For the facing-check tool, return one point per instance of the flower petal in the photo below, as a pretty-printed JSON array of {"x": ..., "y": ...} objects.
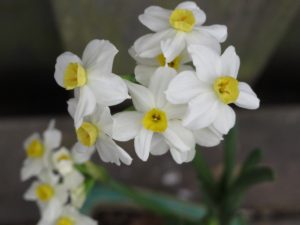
[
  {"x": 62, "y": 62},
  {"x": 143, "y": 61},
  {"x": 230, "y": 62},
  {"x": 148, "y": 46},
  {"x": 198, "y": 13},
  {"x": 108, "y": 89},
  {"x": 225, "y": 119},
  {"x": 206, "y": 62},
  {"x": 184, "y": 87},
  {"x": 142, "y": 143},
  {"x": 72, "y": 104},
  {"x": 98, "y": 57},
  {"x": 159, "y": 84},
  {"x": 202, "y": 111},
  {"x": 172, "y": 47},
  {"x": 175, "y": 111},
  {"x": 52, "y": 137},
  {"x": 158, "y": 145},
  {"x": 247, "y": 98},
  {"x": 81, "y": 154},
  {"x": 155, "y": 18},
  {"x": 31, "y": 168},
  {"x": 142, "y": 98},
  {"x": 126, "y": 125},
  {"x": 86, "y": 105},
  {"x": 181, "y": 157},
  {"x": 109, "y": 151},
  {"x": 217, "y": 31},
  {"x": 179, "y": 137},
  {"x": 30, "y": 195},
  {"x": 208, "y": 137},
  {"x": 143, "y": 74}
]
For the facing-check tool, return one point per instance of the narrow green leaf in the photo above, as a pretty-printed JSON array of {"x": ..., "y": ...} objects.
[
  {"x": 252, "y": 160},
  {"x": 129, "y": 77}
]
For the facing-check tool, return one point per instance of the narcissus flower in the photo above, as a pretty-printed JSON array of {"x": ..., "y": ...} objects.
[
  {"x": 63, "y": 163},
  {"x": 156, "y": 125},
  {"x": 91, "y": 78},
  {"x": 68, "y": 216},
  {"x": 147, "y": 66},
  {"x": 176, "y": 29},
  {"x": 38, "y": 151},
  {"x": 96, "y": 132},
  {"x": 210, "y": 91},
  {"x": 48, "y": 194}
]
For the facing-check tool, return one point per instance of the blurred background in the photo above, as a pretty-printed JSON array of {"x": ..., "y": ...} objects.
[{"x": 266, "y": 36}]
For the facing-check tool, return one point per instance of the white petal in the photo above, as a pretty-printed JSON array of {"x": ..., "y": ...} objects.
[
  {"x": 86, "y": 105},
  {"x": 98, "y": 57},
  {"x": 158, "y": 145},
  {"x": 206, "y": 62},
  {"x": 208, "y": 137},
  {"x": 173, "y": 46},
  {"x": 126, "y": 125},
  {"x": 198, "y": 13},
  {"x": 155, "y": 18},
  {"x": 201, "y": 112},
  {"x": 30, "y": 195},
  {"x": 73, "y": 180},
  {"x": 247, "y": 98},
  {"x": 108, "y": 89},
  {"x": 184, "y": 87},
  {"x": 199, "y": 37},
  {"x": 142, "y": 143},
  {"x": 142, "y": 98},
  {"x": 179, "y": 137},
  {"x": 143, "y": 74},
  {"x": 81, "y": 154},
  {"x": 31, "y": 168},
  {"x": 102, "y": 118},
  {"x": 148, "y": 46},
  {"x": 230, "y": 62},
  {"x": 109, "y": 151},
  {"x": 159, "y": 84},
  {"x": 52, "y": 138},
  {"x": 143, "y": 61},
  {"x": 225, "y": 119},
  {"x": 52, "y": 210},
  {"x": 181, "y": 157},
  {"x": 217, "y": 31},
  {"x": 175, "y": 111},
  {"x": 72, "y": 104},
  {"x": 62, "y": 62}
]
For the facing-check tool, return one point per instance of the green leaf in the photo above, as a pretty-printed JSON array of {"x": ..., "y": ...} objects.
[
  {"x": 252, "y": 160},
  {"x": 119, "y": 194},
  {"x": 206, "y": 179},
  {"x": 129, "y": 77}
]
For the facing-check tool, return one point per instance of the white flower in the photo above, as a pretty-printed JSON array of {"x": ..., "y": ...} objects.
[
  {"x": 48, "y": 194},
  {"x": 177, "y": 29},
  {"x": 211, "y": 89},
  {"x": 96, "y": 132},
  {"x": 147, "y": 66},
  {"x": 63, "y": 163},
  {"x": 156, "y": 125},
  {"x": 38, "y": 151},
  {"x": 91, "y": 78},
  {"x": 208, "y": 136},
  {"x": 68, "y": 216}
]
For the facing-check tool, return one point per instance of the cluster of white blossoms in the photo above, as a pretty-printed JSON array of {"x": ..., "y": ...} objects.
[
  {"x": 58, "y": 187},
  {"x": 182, "y": 98}
]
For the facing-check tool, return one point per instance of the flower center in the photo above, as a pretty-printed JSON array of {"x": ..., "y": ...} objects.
[
  {"x": 182, "y": 20},
  {"x": 227, "y": 89},
  {"x": 155, "y": 120},
  {"x": 75, "y": 76},
  {"x": 65, "y": 221},
  {"x": 87, "y": 134},
  {"x": 35, "y": 149},
  {"x": 175, "y": 64},
  {"x": 44, "y": 192}
]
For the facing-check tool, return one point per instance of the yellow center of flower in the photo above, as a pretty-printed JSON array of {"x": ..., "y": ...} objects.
[
  {"x": 63, "y": 157},
  {"x": 227, "y": 89},
  {"x": 182, "y": 20},
  {"x": 155, "y": 120},
  {"x": 175, "y": 64},
  {"x": 87, "y": 134},
  {"x": 65, "y": 221},
  {"x": 44, "y": 192},
  {"x": 75, "y": 76},
  {"x": 35, "y": 149}
]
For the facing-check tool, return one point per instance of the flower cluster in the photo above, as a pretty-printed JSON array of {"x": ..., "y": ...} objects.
[
  {"x": 182, "y": 96},
  {"x": 59, "y": 188}
]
